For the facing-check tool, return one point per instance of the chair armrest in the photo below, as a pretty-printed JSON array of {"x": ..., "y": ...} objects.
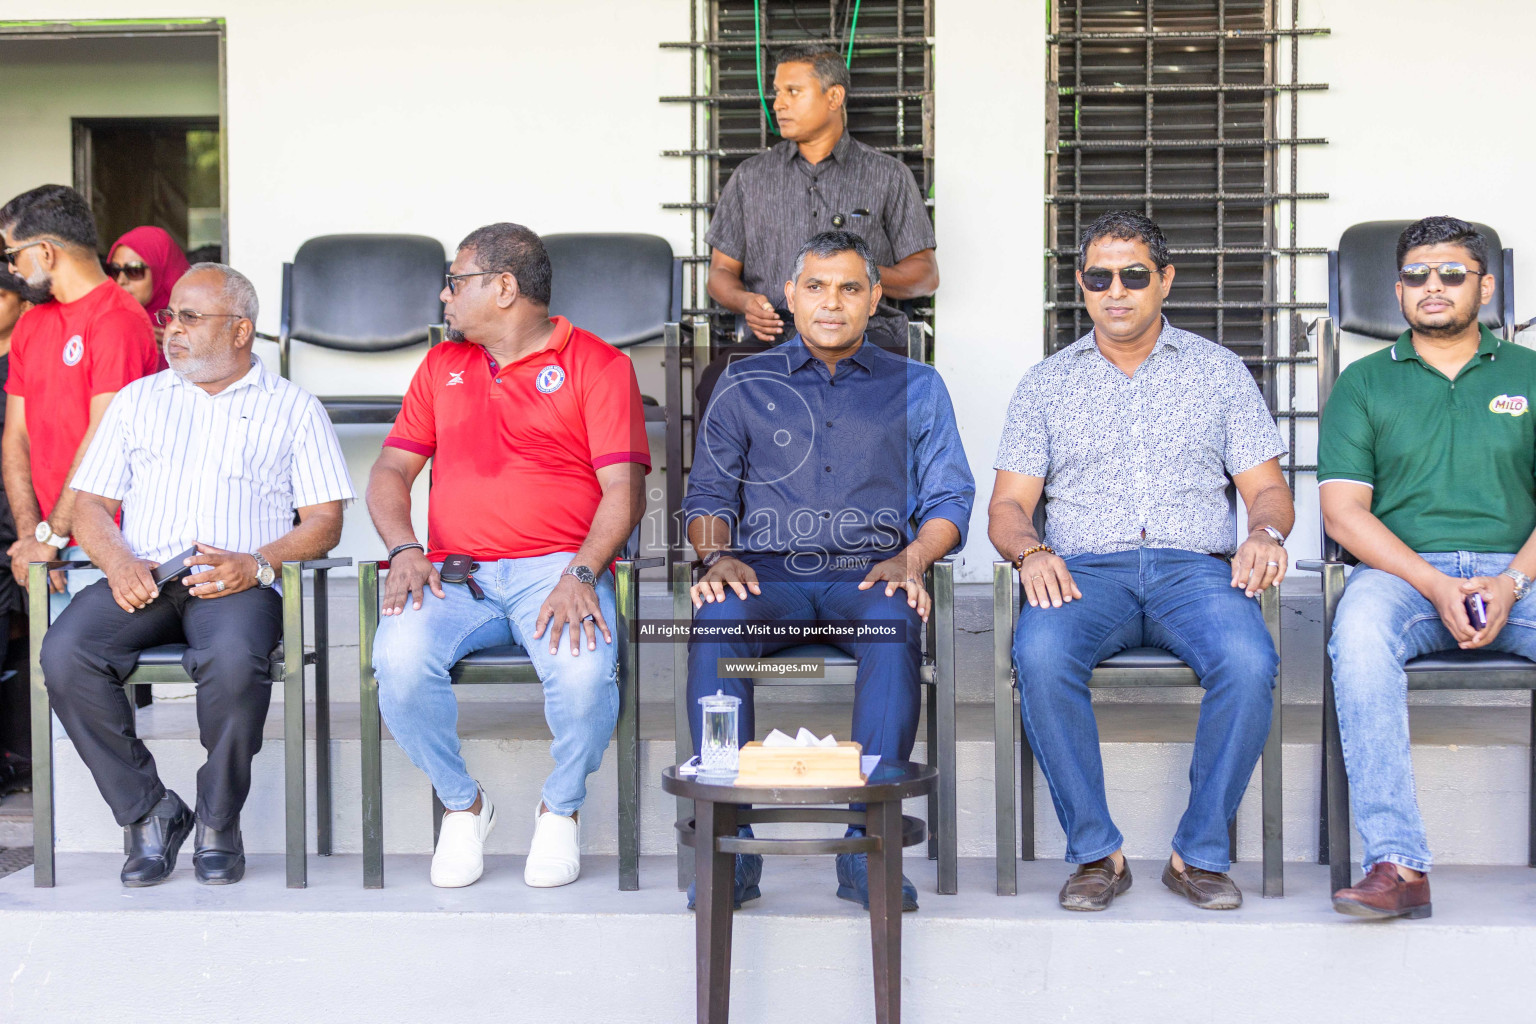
[
  {"x": 1317, "y": 565},
  {"x": 645, "y": 563},
  {"x": 324, "y": 563},
  {"x": 65, "y": 566}
]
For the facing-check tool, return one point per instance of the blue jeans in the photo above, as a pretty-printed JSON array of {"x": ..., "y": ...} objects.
[
  {"x": 1181, "y": 601},
  {"x": 415, "y": 650},
  {"x": 1382, "y": 622},
  {"x": 886, "y": 692}
]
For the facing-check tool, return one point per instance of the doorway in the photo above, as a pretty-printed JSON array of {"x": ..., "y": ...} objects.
[{"x": 163, "y": 172}]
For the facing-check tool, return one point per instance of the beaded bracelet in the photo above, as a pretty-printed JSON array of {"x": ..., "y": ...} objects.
[{"x": 1019, "y": 562}]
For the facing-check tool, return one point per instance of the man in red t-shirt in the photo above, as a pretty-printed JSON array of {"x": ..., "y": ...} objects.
[
  {"x": 84, "y": 340},
  {"x": 537, "y": 438}
]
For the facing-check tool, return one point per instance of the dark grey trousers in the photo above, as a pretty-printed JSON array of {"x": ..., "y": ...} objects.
[{"x": 93, "y": 647}]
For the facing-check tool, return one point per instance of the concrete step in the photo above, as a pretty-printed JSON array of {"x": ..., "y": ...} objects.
[
  {"x": 1471, "y": 767},
  {"x": 16, "y": 820},
  {"x": 257, "y": 952}
]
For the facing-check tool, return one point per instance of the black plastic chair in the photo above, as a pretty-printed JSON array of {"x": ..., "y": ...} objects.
[
  {"x": 361, "y": 293},
  {"x": 1363, "y": 302},
  {"x": 936, "y": 676},
  {"x": 163, "y": 665},
  {"x": 628, "y": 290},
  {"x": 506, "y": 664},
  {"x": 1136, "y": 667}
]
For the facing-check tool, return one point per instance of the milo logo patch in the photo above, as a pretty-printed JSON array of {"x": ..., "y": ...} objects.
[{"x": 1514, "y": 405}]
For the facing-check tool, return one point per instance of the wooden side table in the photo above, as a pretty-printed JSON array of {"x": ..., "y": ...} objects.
[{"x": 712, "y": 834}]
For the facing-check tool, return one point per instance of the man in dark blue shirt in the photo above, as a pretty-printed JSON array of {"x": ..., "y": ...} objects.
[{"x": 828, "y": 477}]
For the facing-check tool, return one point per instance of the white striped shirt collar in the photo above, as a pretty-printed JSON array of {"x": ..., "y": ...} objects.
[{"x": 258, "y": 375}]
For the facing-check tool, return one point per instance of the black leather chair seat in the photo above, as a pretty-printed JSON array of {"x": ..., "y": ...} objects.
[
  {"x": 831, "y": 655},
  {"x": 170, "y": 654},
  {"x": 361, "y": 408},
  {"x": 505, "y": 656},
  {"x": 165, "y": 654},
  {"x": 1142, "y": 658},
  {"x": 1481, "y": 661}
]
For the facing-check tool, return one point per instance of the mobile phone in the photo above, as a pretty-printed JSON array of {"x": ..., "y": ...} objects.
[
  {"x": 1477, "y": 611},
  {"x": 173, "y": 568}
]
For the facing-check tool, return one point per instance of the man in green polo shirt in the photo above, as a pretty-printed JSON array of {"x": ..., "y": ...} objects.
[{"x": 1427, "y": 461}]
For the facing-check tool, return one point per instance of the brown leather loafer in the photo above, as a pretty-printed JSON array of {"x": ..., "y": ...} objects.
[
  {"x": 1208, "y": 890},
  {"x": 1094, "y": 886},
  {"x": 1383, "y": 893}
]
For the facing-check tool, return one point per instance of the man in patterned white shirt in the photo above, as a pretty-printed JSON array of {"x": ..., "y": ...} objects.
[
  {"x": 1131, "y": 435},
  {"x": 215, "y": 452}
]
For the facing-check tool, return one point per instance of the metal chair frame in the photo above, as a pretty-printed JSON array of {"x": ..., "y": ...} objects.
[
  {"x": 505, "y": 664},
  {"x": 936, "y": 676},
  {"x": 1442, "y": 670},
  {"x": 1137, "y": 667},
  {"x": 163, "y": 665}
]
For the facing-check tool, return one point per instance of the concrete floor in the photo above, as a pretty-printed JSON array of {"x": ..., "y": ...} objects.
[{"x": 258, "y": 952}]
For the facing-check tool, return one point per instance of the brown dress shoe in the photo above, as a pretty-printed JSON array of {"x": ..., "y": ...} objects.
[
  {"x": 1094, "y": 886},
  {"x": 1208, "y": 890},
  {"x": 1384, "y": 893}
]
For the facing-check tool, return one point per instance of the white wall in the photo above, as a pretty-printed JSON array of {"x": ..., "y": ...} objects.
[
  {"x": 368, "y": 116},
  {"x": 989, "y": 137}
]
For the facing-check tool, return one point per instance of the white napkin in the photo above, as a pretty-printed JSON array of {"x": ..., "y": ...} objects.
[{"x": 805, "y": 738}]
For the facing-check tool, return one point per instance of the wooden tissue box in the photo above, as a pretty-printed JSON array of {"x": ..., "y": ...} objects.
[{"x": 800, "y": 766}]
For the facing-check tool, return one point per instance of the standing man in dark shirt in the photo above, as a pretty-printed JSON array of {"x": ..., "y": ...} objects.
[
  {"x": 818, "y": 179},
  {"x": 84, "y": 340}
]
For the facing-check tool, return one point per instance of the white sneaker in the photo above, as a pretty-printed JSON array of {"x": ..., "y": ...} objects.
[
  {"x": 554, "y": 856},
  {"x": 460, "y": 856}
]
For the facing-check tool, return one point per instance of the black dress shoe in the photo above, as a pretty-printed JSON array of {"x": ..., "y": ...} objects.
[
  {"x": 153, "y": 841},
  {"x": 218, "y": 856}
]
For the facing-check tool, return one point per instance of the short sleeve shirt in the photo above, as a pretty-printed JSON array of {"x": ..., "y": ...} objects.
[
  {"x": 1140, "y": 461},
  {"x": 515, "y": 450},
  {"x": 62, "y": 355},
  {"x": 1451, "y": 463},
  {"x": 776, "y": 200}
]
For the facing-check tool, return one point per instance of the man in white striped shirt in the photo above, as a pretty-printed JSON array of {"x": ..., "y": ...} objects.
[{"x": 216, "y": 452}]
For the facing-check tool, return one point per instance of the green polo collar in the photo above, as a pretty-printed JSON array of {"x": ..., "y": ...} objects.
[{"x": 1487, "y": 345}]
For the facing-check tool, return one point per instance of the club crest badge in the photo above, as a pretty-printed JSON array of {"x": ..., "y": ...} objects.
[
  {"x": 1514, "y": 405},
  {"x": 550, "y": 379},
  {"x": 74, "y": 350}
]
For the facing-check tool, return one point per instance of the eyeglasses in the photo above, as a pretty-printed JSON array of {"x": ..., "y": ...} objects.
[
  {"x": 9, "y": 255},
  {"x": 1097, "y": 279},
  {"x": 1416, "y": 275},
  {"x": 132, "y": 271},
  {"x": 190, "y": 317},
  {"x": 454, "y": 279}
]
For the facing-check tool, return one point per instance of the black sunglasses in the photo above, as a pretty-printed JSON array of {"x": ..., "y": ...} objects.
[
  {"x": 1097, "y": 279},
  {"x": 454, "y": 279},
  {"x": 132, "y": 271},
  {"x": 1416, "y": 275}
]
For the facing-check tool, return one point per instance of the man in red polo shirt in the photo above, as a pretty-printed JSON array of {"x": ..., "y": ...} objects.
[
  {"x": 69, "y": 356},
  {"x": 537, "y": 438}
]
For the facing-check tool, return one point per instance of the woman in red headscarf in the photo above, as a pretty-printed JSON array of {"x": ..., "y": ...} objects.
[{"x": 147, "y": 262}]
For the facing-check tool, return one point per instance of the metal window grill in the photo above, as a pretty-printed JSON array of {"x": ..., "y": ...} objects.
[
  {"x": 1173, "y": 107},
  {"x": 890, "y": 106}
]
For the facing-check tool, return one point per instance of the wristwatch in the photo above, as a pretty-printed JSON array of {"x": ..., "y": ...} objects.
[
  {"x": 582, "y": 574},
  {"x": 45, "y": 535},
  {"x": 1522, "y": 582},
  {"x": 709, "y": 560},
  {"x": 265, "y": 574},
  {"x": 1279, "y": 537}
]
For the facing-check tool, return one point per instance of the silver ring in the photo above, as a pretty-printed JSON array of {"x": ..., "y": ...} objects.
[
  {"x": 1272, "y": 563},
  {"x": 218, "y": 584},
  {"x": 589, "y": 618},
  {"x": 1038, "y": 576}
]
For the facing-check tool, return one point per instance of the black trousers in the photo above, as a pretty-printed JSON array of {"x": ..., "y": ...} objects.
[{"x": 94, "y": 646}]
